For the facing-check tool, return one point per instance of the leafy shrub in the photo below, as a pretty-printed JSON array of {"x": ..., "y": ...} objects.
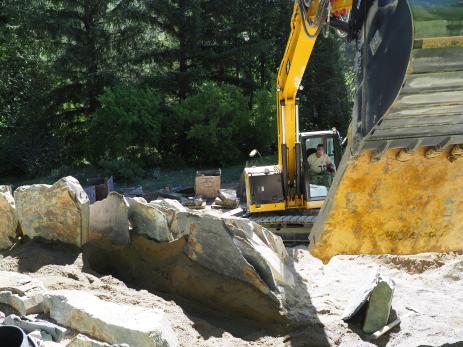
[
  {"x": 122, "y": 169},
  {"x": 127, "y": 126},
  {"x": 215, "y": 122}
]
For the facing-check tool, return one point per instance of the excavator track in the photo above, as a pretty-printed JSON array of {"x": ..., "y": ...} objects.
[
  {"x": 293, "y": 229},
  {"x": 399, "y": 188}
]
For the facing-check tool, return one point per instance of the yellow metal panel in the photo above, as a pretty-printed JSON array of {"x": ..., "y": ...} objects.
[
  {"x": 389, "y": 206},
  {"x": 313, "y": 205},
  {"x": 267, "y": 207}
]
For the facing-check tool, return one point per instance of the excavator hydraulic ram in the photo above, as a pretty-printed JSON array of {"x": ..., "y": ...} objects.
[{"x": 399, "y": 188}]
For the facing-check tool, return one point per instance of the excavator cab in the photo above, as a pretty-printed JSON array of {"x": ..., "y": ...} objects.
[{"x": 332, "y": 142}]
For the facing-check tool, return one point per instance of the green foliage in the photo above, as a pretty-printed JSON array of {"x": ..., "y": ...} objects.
[
  {"x": 326, "y": 101},
  {"x": 215, "y": 122},
  {"x": 127, "y": 126},
  {"x": 122, "y": 169},
  {"x": 263, "y": 121},
  {"x": 77, "y": 83}
]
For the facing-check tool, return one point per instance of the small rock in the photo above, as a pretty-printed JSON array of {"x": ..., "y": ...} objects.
[
  {"x": 109, "y": 219},
  {"x": 109, "y": 322},
  {"x": 379, "y": 306},
  {"x": 59, "y": 212},
  {"x": 21, "y": 292},
  {"x": 40, "y": 336},
  {"x": 169, "y": 204},
  {"x": 84, "y": 341}
]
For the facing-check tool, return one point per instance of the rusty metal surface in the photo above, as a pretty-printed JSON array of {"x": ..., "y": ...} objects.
[{"x": 393, "y": 207}]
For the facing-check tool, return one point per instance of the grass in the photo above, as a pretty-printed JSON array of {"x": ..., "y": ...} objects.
[{"x": 164, "y": 177}]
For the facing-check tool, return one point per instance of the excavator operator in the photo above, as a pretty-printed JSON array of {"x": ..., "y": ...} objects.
[{"x": 321, "y": 167}]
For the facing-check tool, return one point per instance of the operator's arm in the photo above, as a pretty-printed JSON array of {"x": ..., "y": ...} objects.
[{"x": 329, "y": 164}]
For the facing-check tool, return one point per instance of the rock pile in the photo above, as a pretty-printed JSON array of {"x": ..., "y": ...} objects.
[
  {"x": 225, "y": 263},
  {"x": 229, "y": 264}
]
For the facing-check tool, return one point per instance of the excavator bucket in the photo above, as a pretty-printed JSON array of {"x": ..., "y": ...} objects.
[{"x": 399, "y": 187}]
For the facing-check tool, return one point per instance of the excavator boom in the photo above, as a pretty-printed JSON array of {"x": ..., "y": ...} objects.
[{"x": 399, "y": 188}]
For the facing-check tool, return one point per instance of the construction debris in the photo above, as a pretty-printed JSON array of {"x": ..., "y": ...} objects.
[
  {"x": 207, "y": 183},
  {"x": 226, "y": 199},
  {"x": 100, "y": 189},
  {"x": 195, "y": 203},
  {"x": 47, "y": 331}
]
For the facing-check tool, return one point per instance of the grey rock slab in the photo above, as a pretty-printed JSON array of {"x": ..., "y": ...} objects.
[
  {"x": 21, "y": 292},
  {"x": 361, "y": 296},
  {"x": 263, "y": 250},
  {"x": 115, "y": 324},
  {"x": 379, "y": 306},
  {"x": 149, "y": 220},
  {"x": 57, "y": 212},
  {"x": 8, "y": 219},
  {"x": 233, "y": 248},
  {"x": 109, "y": 219}
]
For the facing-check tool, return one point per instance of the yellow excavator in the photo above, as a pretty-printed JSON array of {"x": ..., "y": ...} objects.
[{"x": 399, "y": 185}]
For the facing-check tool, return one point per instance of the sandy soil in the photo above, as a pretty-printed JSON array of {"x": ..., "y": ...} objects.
[{"x": 429, "y": 294}]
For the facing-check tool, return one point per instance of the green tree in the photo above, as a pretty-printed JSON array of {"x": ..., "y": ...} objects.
[
  {"x": 215, "y": 123},
  {"x": 127, "y": 126},
  {"x": 89, "y": 46},
  {"x": 325, "y": 100},
  {"x": 29, "y": 141}
]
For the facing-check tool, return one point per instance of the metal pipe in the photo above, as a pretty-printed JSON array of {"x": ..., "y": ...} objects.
[
  {"x": 284, "y": 173},
  {"x": 297, "y": 121},
  {"x": 298, "y": 168},
  {"x": 283, "y": 130}
]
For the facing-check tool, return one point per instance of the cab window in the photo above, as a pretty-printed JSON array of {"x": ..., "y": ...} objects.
[{"x": 330, "y": 148}]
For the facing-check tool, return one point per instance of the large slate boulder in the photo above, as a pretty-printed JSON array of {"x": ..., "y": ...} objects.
[
  {"x": 109, "y": 219},
  {"x": 117, "y": 324},
  {"x": 228, "y": 264},
  {"x": 236, "y": 248},
  {"x": 58, "y": 212},
  {"x": 8, "y": 220}
]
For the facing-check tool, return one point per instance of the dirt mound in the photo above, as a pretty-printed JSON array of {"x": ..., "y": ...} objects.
[{"x": 416, "y": 264}]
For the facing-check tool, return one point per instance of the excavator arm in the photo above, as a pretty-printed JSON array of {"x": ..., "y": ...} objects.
[{"x": 281, "y": 188}]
